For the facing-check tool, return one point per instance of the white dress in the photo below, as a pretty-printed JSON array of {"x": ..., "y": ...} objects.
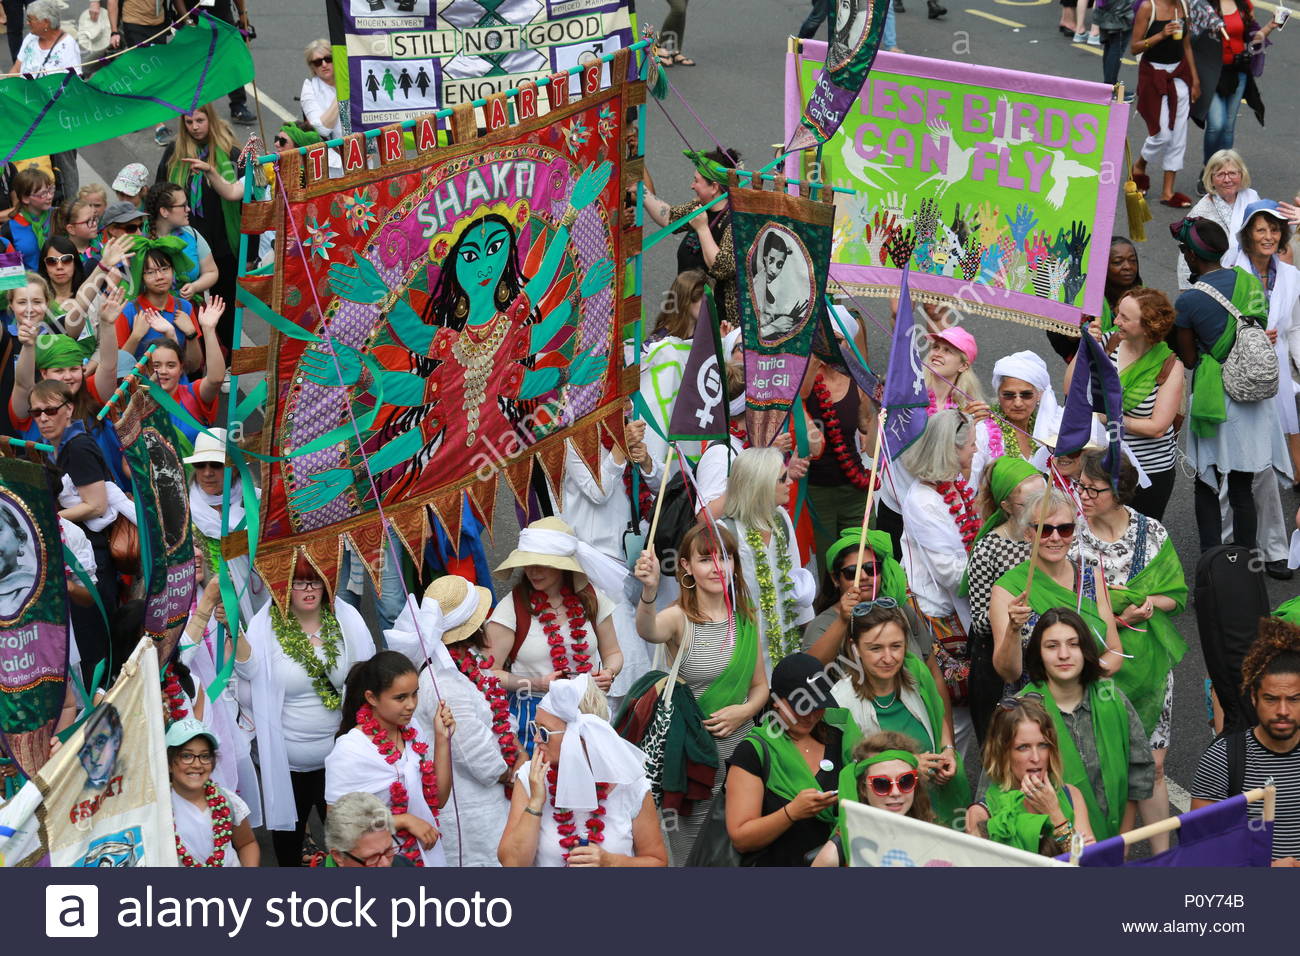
[
  {"x": 194, "y": 826},
  {"x": 356, "y": 765},
  {"x": 621, "y": 808},
  {"x": 933, "y": 554}
]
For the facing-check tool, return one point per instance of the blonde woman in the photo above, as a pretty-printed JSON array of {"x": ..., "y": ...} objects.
[
  {"x": 758, "y": 492},
  {"x": 663, "y": 358},
  {"x": 319, "y": 99}
]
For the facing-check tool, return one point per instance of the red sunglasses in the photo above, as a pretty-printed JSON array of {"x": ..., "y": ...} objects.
[{"x": 882, "y": 785}]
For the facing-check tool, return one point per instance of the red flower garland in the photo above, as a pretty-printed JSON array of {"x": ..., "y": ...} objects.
[
  {"x": 564, "y": 818},
  {"x": 550, "y": 621},
  {"x": 177, "y": 707},
  {"x": 399, "y": 799},
  {"x": 489, "y": 685},
  {"x": 850, "y": 463},
  {"x": 645, "y": 498},
  {"x": 963, "y": 513},
  {"x": 222, "y": 829}
]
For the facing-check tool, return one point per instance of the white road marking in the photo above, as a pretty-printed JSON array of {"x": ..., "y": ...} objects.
[
  {"x": 1179, "y": 798},
  {"x": 271, "y": 105}
]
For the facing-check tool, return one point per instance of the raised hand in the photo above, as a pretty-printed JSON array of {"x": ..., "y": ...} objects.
[
  {"x": 990, "y": 225},
  {"x": 321, "y": 489},
  {"x": 960, "y": 222},
  {"x": 210, "y": 313},
  {"x": 110, "y": 307},
  {"x": 1061, "y": 247},
  {"x": 899, "y": 247},
  {"x": 1036, "y": 249},
  {"x": 1077, "y": 243},
  {"x": 117, "y": 251},
  {"x": 970, "y": 261},
  {"x": 361, "y": 283},
  {"x": 1056, "y": 275},
  {"x": 896, "y": 203},
  {"x": 160, "y": 325},
  {"x": 590, "y": 185},
  {"x": 318, "y": 366},
  {"x": 927, "y": 220},
  {"x": 881, "y": 235},
  {"x": 598, "y": 277},
  {"x": 1073, "y": 283},
  {"x": 1022, "y": 224},
  {"x": 587, "y": 368},
  {"x": 990, "y": 263}
]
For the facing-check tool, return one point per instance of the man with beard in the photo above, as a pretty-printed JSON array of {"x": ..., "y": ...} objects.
[{"x": 1271, "y": 674}]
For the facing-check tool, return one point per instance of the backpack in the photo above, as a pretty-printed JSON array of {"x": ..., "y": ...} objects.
[
  {"x": 676, "y": 516},
  {"x": 1250, "y": 372}
]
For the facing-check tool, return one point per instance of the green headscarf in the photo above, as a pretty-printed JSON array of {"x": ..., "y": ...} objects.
[
  {"x": 1289, "y": 611},
  {"x": 62, "y": 351},
  {"x": 299, "y": 136},
  {"x": 893, "y": 579},
  {"x": 1005, "y": 476},
  {"x": 709, "y": 169},
  {"x": 173, "y": 246}
]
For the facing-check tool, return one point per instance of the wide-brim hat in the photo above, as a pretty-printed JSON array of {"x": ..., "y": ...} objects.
[
  {"x": 449, "y": 591},
  {"x": 209, "y": 447},
  {"x": 565, "y": 562}
]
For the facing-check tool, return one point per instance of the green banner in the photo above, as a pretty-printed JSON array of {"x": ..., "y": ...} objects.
[{"x": 54, "y": 112}]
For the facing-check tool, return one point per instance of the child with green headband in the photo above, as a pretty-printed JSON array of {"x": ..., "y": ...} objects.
[{"x": 884, "y": 774}]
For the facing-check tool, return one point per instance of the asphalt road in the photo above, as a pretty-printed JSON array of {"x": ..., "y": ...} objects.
[{"x": 737, "y": 90}]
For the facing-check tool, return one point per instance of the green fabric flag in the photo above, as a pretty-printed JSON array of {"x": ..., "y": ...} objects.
[
  {"x": 60, "y": 111},
  {"x": 732, "y": 685},
  {"x": 954, "y": 796},
  {"x": 1209, "y": 408},
  {"x": 1047, "y": 594},
  {"x": 1139, "y": 378},
  {"x": 1110, "y": 728},
  {"x": 1012, "y": 825},
  {"x": 1155, "y": 651},
  {"x": 788, "y": 774}
]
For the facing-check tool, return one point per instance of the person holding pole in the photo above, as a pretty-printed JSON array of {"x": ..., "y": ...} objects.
[{"x": 1050, "y": 578}]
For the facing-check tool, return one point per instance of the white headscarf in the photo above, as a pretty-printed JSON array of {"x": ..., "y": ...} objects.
[
  {"x": 591, "y": 750},
  {"x": 603, "y": 571},
  {"x": 1030, "y": 367},
  {"x": 736, "y": 407},
  {"x": 418, "y": 630}
]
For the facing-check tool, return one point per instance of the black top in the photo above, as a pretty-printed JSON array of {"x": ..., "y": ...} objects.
[
  {"x": 81, "y": 460},
  {"x": 804, "y": 838},
  {"x": 689, "y": 253},
  {"x": 1167, "y": 50},
  {"x": 8, "y": 346},
  {"x": 210, "y": 221},
  {"x": 826, "y": 470}
]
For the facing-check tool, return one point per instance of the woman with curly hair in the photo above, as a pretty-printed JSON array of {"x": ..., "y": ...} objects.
[{"x": 1270, "y": 676}]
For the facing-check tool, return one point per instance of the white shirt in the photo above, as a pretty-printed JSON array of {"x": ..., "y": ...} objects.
[
  {"x": 599, "y": 513},
  {"x": 63, "y": 55},
  {"x": 933, "y": 554},
  {"x": 316, "y": 97},
  {"x": 711, "y": 472},
  {"x": 356, "y": 765},
  {"x": 194, "y": 826},
  {"x": 534, "y": 657},
  {"x": 621, "y": 808},
  {"x": 306, "y": 725}
]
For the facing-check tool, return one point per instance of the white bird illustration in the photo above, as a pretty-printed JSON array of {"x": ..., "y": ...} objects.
[
  {"x": 1063, "y": 170},
  {"x": 958, "y": 159},
  {"x": 863, "y": 169},
  {"x": 1002, "y": 140}
]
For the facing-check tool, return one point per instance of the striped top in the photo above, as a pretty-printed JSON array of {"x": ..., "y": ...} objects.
[
  {"x": 1211, "y": 783},
  {"x": 1154, "y": 454}
]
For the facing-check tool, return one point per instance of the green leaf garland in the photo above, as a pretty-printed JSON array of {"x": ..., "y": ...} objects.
[
  {"x": 780, "y": 642},
  {"x": 297, "y": 647}
]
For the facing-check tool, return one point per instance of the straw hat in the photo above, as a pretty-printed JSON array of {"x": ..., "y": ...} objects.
[
  {"x": 209, "y": 447},
  {"x": 522, "y": 559},
  {"x": 449, "y": 591}
]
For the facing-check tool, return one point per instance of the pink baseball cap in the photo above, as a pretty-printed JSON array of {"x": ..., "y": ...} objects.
[{"x": 959, "y": 339}]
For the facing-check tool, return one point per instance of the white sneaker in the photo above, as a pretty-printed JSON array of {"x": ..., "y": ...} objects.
[{"x": 1080, "y": 38}]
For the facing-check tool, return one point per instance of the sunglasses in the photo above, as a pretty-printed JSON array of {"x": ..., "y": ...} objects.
[
  {"x": 58, "y": 260},
  {"x": 1011, "y": 703},
  {"x": 1087, "y": 491},
  {"x": 1063, "y": 530},
  {"x": 320, "y": 61},
  {"x": 282, "y": 141},
  {"x": 869, "y": 568},
  {"x": 214, "y": 465},
  {"x": 1027, "y": 396},
  {"x": 882, "y": 785},
  {"x": 130, "y": 228},
  {"x": 47, "y": 412},
  {"x": 539, "y": 733},
  {"x": 865, "y": 607}
]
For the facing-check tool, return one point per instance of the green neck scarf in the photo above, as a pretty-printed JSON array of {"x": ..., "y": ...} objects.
[
  {"x": 173, "y": 246},
  {"x": 1139, "y": 377},
  {"x": 1209, "y": 408},
  {"x": 1012, "y": 825},
  {"x": 1110, "y": 729},
  {"x": 732, "y": 685},
  {"x": 1107, "y": 317},
  {"x": 181, "y": 174},
  {"x": 1047, "y": 594},
  {"x": 1159, "y": 646},
  {"x": 949, "y": 801},
  {"x": 893, "y": 579},
  {"x": 788, "y": 774}
]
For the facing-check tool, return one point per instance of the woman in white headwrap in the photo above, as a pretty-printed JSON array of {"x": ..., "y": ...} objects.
[
  {"x": 542, "y": 630},
  {"x": 1027, "y": 406},
  {"x": 446, "y": 634},
  {"x": 583, "y": 800}
]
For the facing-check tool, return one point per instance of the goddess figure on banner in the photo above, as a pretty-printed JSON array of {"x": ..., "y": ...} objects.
[{"x": 465, "y": 364}]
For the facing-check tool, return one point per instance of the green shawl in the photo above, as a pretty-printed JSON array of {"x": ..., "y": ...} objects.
[
  {"x": 732, "y": 685},
  {"x": 951, "y": 800},
  {"x": 1110, "y": 728},
  {"x": 788, "y": 774},
  {"x": 1047, "y": 594},
  {"x": 181, "y": 173},
  {"x": 1209, "y": 407},
  {"x": 1138, "y": 378},
  {"x": 893, "y": 579},
  {"x": 1156, "y": 650},
  {"x": 1012, "y": 825}
]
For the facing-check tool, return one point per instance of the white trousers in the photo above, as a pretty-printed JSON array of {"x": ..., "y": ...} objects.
[{"x": 1166, "y": 148}]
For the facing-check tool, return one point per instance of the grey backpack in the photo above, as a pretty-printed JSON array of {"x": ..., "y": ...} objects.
[{"x": 1250, "y": 372}]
